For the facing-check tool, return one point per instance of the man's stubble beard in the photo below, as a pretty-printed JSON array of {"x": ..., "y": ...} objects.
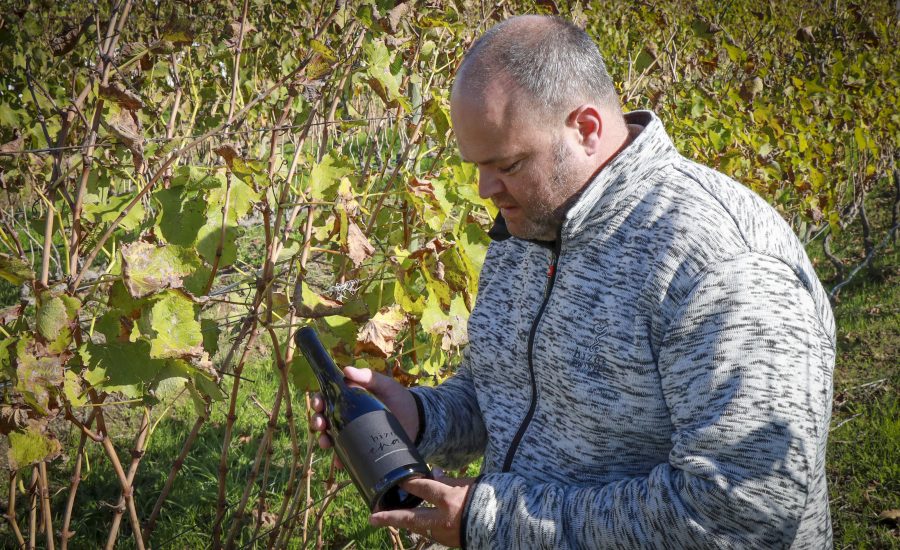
[{"x": 544, "y": 220}]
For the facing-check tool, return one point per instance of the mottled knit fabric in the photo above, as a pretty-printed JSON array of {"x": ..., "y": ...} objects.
[{"x": 668, "y": 387}]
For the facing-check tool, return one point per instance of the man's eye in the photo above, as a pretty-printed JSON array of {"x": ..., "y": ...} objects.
[{"x": 511, "y": 168}]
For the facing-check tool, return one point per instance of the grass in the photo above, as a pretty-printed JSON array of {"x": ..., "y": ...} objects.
[
  {"x": 864, "y": 443},
  {"x": 187, "y": 517}
]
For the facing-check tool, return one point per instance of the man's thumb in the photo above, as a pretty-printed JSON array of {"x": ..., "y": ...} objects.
[{"x": 362, "y": 377}]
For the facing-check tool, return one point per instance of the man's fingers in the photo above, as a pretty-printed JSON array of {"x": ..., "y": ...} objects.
[
  {"x": 416, "y": 519},
  {"x": 318, "y": 404},
  {"x": 428, "y": 489},
  {"x": 367, "y": 378},
  {"x": 457, "y": 481},
  {"x": 318, "y": 423}
]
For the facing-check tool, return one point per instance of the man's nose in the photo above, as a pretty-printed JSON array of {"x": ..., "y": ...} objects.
[{"x": 489, "y": 184}]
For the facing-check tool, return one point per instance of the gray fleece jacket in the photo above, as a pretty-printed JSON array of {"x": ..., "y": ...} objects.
[{"x": 660, "y": 378}]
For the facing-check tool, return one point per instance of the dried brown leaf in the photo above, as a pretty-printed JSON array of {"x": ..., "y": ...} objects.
[
  {"x": 434, "y": 246},
  {"x": 391, "y": 22},
  {"x": 233, "y": 32},
  {"x": 890, "y": 516},
  {"x": 125, "y": 98},
  {"x": 358, "y": 246},
  {"x": 12, "y": 417},
  {"x": 227, "y": 152},
  {"x": 805, "y": 34},
  {"x": 453, "y": 331},
  {"x": 66, "y": 41},
  {"x": 126, "y": 126},
  {"x": 10, "y": 314},
  {"x": 379, "y": 334},
  {"x": 422, "y": 188},
  {"x": 13, "y": 146}
]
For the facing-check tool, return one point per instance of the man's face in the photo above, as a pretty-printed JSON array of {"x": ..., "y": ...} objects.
[{"x": 525, "y": 164}]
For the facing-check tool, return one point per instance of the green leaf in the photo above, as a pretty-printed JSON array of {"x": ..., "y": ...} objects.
[
  {"x": 148, "y": 268},
  {"x": 736, "y": 54},
  {"x": 210, "y": 330},
  {"x": 182, "y": 214},
  {"x": 378, "y": 58},
  {"x": 457, "y": 271},
  {"x": 325, "y": 176},
  {"x": 404, "y": 298},
  {"x": 816, "y": 179},
  {"x": 15, "y": 270},
  {"x": 31, "y": 446},
  {"x": 51, "y": 317},
  {"x": 171, "y": 326},
  {"x": 208, "y": 387},
  {"x": 210, "y": 236},
  {"x": 72, "y": 389},
  {"x": 320, "y": 47},
  {"x": 860, "y": 138},
  {"x": 240, "y": 200},
  {"x": 313, "y": 305},
  {"x": 121, "y": 300},
  {"x": 107, "y": 211},
  {"x": 122, "y": 366},
  {"x": 38, "y": 375},
  {"x": 195, "y": 179},
  {"x": 302, "y": 374},
  {"x": 432, "y": 313},
  {"x": 439, "y": 116}
]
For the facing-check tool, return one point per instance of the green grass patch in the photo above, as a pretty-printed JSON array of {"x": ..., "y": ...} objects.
[
  {"x": 189, "y": 513},
  {"x": 864, "y": 443}
]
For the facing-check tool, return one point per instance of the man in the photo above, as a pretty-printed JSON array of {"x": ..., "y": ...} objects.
[{"x": 650, "y": 354}]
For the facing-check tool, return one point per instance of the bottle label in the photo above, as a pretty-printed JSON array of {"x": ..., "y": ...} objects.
[{"x": 374, "y": 445}]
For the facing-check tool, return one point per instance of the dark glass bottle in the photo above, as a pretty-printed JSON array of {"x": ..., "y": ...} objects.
[{"x": 368, "y": 438}]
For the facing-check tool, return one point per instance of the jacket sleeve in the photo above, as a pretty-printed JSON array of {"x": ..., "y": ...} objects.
[
  {"x": 745, "y": 366},
  {"x": 451, "y": 428}
]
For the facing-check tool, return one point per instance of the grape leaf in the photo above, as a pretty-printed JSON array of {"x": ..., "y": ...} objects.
[
  {"x": 31, "y": 446},
  {"x": 358, "y": 246},
  {"x": 183, "y": 213},
  {"x": 379, "y": 334},
  {"x": 313, "y": 305},
  {"x": 108, "y": 210},
  {"x": 172, "y": 327},
  {"x": 209, "y": 237},
  {"x": 240, "y": 200},
  {"x": 51, "y": 317},
  {"x": 148, "y": 268},
  {"x": 122, "y": 366},
  {"x": 37, "y": 374},
  {"x": 15, "y": 270},
  {"x": 325, "y": 176},
  {"x": 302, "y": 374}
]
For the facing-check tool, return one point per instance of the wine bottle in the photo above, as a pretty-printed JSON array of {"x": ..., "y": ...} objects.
[{"x": 368, "y": 438}]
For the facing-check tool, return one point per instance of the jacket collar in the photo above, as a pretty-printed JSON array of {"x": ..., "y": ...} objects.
[{"x": 650, "y": 149}]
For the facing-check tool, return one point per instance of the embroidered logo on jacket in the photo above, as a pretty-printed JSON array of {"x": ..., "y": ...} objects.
[{"x": 590, "y": 359}]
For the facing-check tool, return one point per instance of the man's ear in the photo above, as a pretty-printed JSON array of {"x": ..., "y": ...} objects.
[{"x": 588, "y": 122}]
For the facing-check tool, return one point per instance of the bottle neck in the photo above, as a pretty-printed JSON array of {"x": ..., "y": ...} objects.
[{"x": 330, "y": 377}]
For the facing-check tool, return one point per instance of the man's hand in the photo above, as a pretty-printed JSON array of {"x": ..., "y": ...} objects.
[
  {"x": 440, "y": 523},
  {"x": 393, "y": 394}
]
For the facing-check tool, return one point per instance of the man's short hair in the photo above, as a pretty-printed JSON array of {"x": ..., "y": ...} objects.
[{"x": 553, "y": 61}]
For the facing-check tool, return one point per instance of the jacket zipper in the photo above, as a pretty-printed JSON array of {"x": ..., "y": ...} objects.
[{"x": 551, "y": 278}]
